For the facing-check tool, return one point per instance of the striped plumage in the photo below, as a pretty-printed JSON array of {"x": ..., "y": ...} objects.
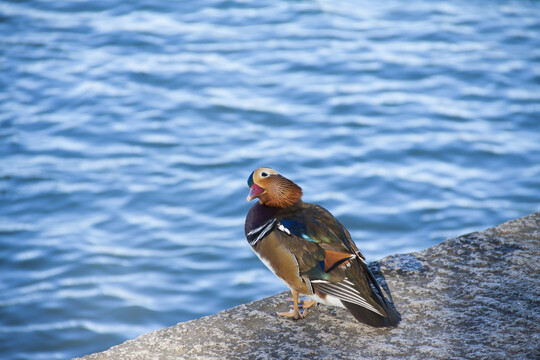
[{"x": 311, "y": 251}]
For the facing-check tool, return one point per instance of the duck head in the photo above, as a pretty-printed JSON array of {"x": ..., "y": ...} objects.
[{"x": 272, "y": 189}]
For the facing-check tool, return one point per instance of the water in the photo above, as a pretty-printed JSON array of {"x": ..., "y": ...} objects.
[{"x": 128, "y": 131}]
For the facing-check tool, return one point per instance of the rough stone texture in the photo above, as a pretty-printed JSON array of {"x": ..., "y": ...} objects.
[{"x": 475, "y": 297}]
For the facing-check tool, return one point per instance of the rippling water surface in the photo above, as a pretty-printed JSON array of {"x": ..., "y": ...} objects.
[{"x": 128, "y": 131}]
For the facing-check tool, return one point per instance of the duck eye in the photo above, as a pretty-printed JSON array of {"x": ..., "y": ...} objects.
[{"x": 263, "y": 174}]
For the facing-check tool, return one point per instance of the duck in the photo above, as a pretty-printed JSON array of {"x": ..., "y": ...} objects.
[{"x": 305, "y": 246}]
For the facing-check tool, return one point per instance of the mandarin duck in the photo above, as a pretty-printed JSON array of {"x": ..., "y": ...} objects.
[{"x": 311, "y": 251}]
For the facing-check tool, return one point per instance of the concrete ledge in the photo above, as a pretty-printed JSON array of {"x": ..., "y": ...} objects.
[{"x": 476, "y": 296}]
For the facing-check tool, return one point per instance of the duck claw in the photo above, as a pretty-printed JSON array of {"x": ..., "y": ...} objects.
[{"x": 299, "y": 307}]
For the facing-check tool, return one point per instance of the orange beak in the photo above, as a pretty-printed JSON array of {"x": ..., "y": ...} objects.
[{"x": 254, "y": 191}]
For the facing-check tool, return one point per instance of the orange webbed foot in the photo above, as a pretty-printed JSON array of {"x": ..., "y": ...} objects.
[{"x": 299, "y": 310}]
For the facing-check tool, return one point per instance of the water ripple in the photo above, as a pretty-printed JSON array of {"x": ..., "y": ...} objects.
[{"x": 127, "y": 132}]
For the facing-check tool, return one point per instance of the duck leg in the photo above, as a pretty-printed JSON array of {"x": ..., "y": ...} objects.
[{"x": 295, "y": 313}]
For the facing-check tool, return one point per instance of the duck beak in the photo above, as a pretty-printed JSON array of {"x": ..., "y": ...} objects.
[{"x": 254, "y": 191}]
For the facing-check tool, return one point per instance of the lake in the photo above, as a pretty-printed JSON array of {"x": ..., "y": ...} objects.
[{"x": 128, "y": 131}]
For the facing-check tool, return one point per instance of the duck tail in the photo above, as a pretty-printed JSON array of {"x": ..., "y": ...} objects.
[
  {"x": 368, "y": 317},
  {"x": 388, "y": 317}
]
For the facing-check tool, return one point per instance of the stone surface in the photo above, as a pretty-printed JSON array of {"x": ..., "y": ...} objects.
[{"x": 475, "y": 296}]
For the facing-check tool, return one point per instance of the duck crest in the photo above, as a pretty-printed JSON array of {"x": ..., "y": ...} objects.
[{"x": 282, "y": 193}]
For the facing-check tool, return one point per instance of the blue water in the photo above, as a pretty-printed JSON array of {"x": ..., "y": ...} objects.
[{"x": 128, "y": 131}]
